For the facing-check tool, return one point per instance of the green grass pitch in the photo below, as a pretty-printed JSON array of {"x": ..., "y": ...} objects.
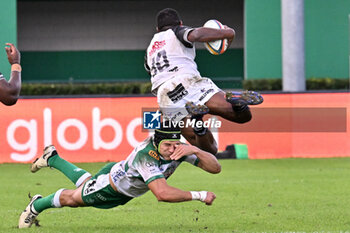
[{"x": 286, "y": 195}]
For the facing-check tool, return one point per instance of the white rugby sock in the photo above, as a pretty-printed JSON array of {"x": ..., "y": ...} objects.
[
  {"x": 82, "y": 178},
  {"x": 56, "y": 199}
]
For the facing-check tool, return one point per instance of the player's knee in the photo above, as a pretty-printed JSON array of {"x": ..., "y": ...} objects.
[
  {"x": 242, "y": 117},
  {"x": 67, "y": 198},
  {"x": 214, "y": 149}
]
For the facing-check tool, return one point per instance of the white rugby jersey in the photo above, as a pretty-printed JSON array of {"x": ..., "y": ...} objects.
[
  {"x": 169, "y": 54},
  {"x": 132, "y": 175}
]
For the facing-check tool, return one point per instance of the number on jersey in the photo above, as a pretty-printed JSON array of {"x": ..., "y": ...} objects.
[{"x": 159, "y": 63}]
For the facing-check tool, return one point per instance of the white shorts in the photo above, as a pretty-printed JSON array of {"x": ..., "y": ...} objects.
[{"x": 173, "y": 95}]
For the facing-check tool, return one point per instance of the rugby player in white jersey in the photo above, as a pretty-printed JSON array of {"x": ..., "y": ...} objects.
[
  {"x": 9, "y": 90},
  {"x": 146, "y": 168},
  {"x": 178, "y": 85}
]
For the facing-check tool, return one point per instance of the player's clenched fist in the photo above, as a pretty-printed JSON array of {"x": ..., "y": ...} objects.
[
  {"x": 210, "y": 198},
  {"x": 13, "y": 54}
]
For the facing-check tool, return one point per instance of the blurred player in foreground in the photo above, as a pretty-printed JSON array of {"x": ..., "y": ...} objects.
[
  {"x": 9, "y": 91},
  {"x": 146, "y": 168},
  {"x": 179, "y": 87}
]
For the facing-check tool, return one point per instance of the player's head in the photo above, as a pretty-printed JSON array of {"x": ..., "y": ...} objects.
[
  {"x": 167, "y": 18},
  {"x": 166, "y": 138}
]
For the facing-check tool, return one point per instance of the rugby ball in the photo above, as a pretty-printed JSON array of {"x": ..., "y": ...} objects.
[{"x": 218, "y": 46}]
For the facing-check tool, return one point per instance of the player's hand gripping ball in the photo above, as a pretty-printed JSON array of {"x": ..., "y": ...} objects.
[{"x": 219, "y": 46}]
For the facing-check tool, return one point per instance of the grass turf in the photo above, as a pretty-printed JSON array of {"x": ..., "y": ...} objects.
[{"x": 287, "y": 195}]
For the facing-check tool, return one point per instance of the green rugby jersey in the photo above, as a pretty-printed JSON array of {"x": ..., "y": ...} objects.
[{"x": 132, "y": 175}]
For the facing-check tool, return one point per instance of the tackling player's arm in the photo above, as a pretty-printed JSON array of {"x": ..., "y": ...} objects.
[
  {"x": 167, "y": 193},
  {"x": 204, "y": 34},
  {"x": 207, "y": 161},
  {"x": 9, "y": 91}
]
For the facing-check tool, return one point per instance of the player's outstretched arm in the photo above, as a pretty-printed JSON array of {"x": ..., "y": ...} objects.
[
  {"x": 207, "y": 161},
  {"x": 203, "y": 34},
  {"x": 9, "y": 91},
  {"x": 167, "y": 193}
]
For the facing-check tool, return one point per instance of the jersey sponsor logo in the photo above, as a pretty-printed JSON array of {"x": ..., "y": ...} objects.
[
  {"x": 153, "y": 154},
  {"x": 89, "y": 187},
  {"x": 150, "y": 164},
  {"x": 99, "y": 196},
  {"x": 175, "y": 69},
  {"x": 176, "y": 115},
  {"x": 118, "y": 174},
  {"x": 153, "y": 171},
  {"x": 178, "y": 93},
  {"x": 156, "y": 45},
  {"x": 205, "y": 93}
]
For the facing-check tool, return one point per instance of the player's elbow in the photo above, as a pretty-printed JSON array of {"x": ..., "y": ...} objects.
[
  {"x": 231, "y": 34},
  {"x": 9, "y": 101},
  {"x": 162, "y": 196},
  {"x": 216, "y": 169}
]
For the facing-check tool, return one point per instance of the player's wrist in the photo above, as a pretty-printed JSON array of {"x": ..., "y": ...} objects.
[
  {"x": 16, "y": 67},
  {"x": 195, "y": 150},
  {"x": 201, "y": 195}
]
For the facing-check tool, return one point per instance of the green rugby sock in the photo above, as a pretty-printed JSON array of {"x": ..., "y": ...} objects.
[
  {"x": 44, "y": 203},
  {"x": 51, "y": 201},
  {"x": 74, "y": 173}
]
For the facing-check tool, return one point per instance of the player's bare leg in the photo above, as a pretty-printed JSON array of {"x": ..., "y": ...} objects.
[
  {"x": 233, "y": 108},
  {"x": 72, "y": 198},
  {"x": 199, "y": 136}
]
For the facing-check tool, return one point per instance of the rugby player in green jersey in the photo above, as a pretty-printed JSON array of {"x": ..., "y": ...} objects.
[{"x": 146, "y": 168}]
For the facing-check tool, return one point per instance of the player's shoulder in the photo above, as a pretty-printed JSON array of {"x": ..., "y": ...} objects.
[
  {"x": 181, "y": 32},
  {"x": 180, "y": 29},
  {"x": 148, "y": 152}
]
